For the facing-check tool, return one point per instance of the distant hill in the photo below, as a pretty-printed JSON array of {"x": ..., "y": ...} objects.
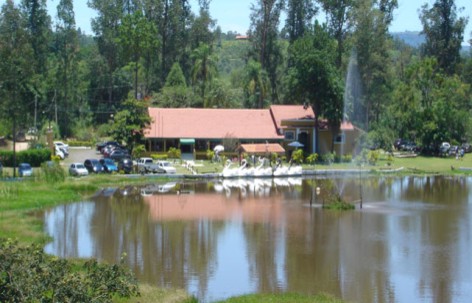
[{"x": 415, "y": 39}]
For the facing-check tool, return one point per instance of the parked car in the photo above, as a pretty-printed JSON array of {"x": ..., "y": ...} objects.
[
  {"x": 60, "y": 153},
  {"x": 408, "y": 146},
  {"x": 119, "y": 154},
  {"x": 125, "y": 165},
  {"x": 78, "y": 169},
  {"x": 444, "y": 148},
  {"x": 147, "y": 165},
  {"x": 93, "y": 166},
  {"x": 100, "y": 146},
  {"x": 466, "y": 147},
  {"x": 62, "y": 146},
  {"x": 109, "y": 165},
  {"x": 25, "y": 170},
  {"x": 165, "y": 167}
]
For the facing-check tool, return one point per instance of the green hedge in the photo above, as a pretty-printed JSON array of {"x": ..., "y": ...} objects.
[
  {"x": 80, "y": 143},
  {"x": 160, "y": 156},
  {"x": 32, "y": 156}
]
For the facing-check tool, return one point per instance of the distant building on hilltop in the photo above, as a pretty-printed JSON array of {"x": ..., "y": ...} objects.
[{"x": 242, "y": 37}]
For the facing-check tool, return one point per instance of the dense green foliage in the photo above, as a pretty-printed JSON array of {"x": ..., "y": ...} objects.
[
  {"x": 161, "y": 53},
  {"x": 27, "y": 274},
  {"x": 32, "y": 156}
]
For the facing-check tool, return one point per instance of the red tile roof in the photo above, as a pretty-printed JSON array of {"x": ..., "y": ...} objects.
[
  {"x": 291, "y": 112},
  {"x": 262, "y": 148},
  {"x": 198, "y": 123}
]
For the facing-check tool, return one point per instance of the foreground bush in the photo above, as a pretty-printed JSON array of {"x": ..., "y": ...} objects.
[
  {"x": 27, "y": 274},
  {"x": 32, "y": 156}
]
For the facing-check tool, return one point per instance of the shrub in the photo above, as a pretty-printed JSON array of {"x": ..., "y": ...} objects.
[
  {"x": 297, "y": 156},
  {"x": 30, "y": 275},
  {"x": 80, "y": 143},
  {"x": 32, "y": 156},
  {"x": 174, "y": 153},
  {"x": 389, "y": 159},
  {"x": 328, "y": 158},
  {"x": 138, "y": 151},
  {"x": 159, "y": 156},
  {"x": 53, "y": 172},
  {"x": 210, "y": 154},
  {"x": 346, "y": 158},
  {"x": 311, "y": 159},
  {"x": 373, "y": 156}
]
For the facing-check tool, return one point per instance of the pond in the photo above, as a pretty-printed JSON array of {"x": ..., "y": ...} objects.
[{"x": 410, "y": 242}]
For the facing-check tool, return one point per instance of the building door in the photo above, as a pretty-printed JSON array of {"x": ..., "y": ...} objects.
[{"x": 303, "y": 139}]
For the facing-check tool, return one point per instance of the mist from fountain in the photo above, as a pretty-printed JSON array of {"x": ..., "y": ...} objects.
[{"x": 352, "y": 97}]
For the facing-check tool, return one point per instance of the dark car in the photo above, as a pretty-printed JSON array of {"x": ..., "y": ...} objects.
[
  {"x": 109, "y": 165},
  {"x": 466, "y": 147},
  {"x": 93, "y": 166},
  {"x": 25, "y": 170},
  {"x": 100, "y": 146},
  {"x": 119, "y": 154},
  {"x": 125, "y": 165},
  {"x": 408, "y": 146}
]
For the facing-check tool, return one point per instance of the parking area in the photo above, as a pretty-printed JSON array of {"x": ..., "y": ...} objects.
[{"x": 79, "y": 155}]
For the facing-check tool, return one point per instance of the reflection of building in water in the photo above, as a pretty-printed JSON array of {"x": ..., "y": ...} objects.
[{"x": 213, "y": 206}]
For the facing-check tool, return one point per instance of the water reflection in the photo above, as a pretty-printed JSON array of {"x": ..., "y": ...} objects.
[{"x": 410, "y": 243}]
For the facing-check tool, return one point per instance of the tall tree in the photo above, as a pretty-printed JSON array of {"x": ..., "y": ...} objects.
[
  {"x": 105, "y": 26},
  {"x": 314, "y": 79},
  {"x": 38, "y": 26},
  {"x": 203, "y": 27},
  {"x": 137, "y": 37},
  {"x": 371, "y": 39},
  {"x": 67, "y": 64},
  {"x": 130, "y": 122},
  {"x": 299, "y": 17},
  {"x": 265, "y": 18},
  {"x": 174, "y": 35},
  {"x": 256, "y": 84},
  {"x": 444, "y": 33},
  {"x": 39, "y": 29},
  {"x": 15, "y": 67},
  {"x": 338, "y": 19},
  {"x": 204, "y": 68}
]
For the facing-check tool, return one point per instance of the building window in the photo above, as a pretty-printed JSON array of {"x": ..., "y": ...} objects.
[
  {"x": 289, "y": 135},
  {"x": 340, "y": 139}
]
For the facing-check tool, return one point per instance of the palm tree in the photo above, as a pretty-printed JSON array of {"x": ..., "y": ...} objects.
[
  {"x": 256, "y": 82},
  {"x": 204, "y": 68}
]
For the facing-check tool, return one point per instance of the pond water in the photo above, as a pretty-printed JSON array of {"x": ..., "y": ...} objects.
[{"x": 410, "y": 242}]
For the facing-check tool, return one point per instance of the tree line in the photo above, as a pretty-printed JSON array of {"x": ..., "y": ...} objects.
[{"x": 161, "y": 53}]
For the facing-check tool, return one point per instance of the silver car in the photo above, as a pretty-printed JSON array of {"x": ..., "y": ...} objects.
[{"x": 78, "y": 169}]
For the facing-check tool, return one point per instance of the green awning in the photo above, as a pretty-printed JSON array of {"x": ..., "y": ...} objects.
[{"x": 187, "y": 141}]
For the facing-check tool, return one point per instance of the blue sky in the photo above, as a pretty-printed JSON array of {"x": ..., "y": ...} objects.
[{"x": 234, "y": 15}]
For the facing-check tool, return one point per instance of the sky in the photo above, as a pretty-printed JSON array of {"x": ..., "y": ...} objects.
[{"x": 234, "y": 15}]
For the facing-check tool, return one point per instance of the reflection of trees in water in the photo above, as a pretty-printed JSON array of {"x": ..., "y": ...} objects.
[
  {"x": 308, "y": 249},
  {"x": 165, "y": 253}
]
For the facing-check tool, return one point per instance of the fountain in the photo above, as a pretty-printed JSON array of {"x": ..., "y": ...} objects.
[{"x": 351, "y": 101}]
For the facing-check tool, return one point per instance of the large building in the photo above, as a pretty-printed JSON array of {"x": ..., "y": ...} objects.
[{"x": 198, "y": 129}]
